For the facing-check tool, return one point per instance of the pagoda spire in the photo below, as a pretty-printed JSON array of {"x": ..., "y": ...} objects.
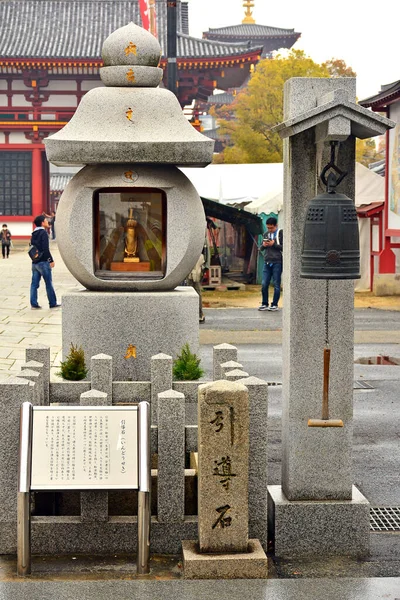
[{"x": 248, "y": 16}]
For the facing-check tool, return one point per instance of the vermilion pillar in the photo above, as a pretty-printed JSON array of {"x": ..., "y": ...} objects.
[
  {"x": 37, "y": 182},
  {"x": 387, "y": 258}
]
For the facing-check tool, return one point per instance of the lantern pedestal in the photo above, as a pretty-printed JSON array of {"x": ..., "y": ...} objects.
[{"x": 145, "y": 322}]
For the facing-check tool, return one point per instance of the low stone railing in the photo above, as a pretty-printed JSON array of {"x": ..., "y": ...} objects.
[{"x": 101, "y": 521}]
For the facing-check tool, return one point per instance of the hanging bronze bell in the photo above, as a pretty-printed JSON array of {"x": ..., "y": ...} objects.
[{"x": 331, "y": 246}]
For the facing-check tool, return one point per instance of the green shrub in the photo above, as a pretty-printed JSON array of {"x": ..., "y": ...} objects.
[
  {"x": 73, "y": 367},
  {"x": 186, "y": 366}
]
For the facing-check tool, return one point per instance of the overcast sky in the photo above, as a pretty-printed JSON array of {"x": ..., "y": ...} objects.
[{"x": 364, "y": 34}]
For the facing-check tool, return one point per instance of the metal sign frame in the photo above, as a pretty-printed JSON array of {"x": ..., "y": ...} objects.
[{"x": 25, "y": 475}]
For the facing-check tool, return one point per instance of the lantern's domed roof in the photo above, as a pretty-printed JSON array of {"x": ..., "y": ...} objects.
[
  {"x": 131, "y": 118},
  {"x": 131, "y": 45}
]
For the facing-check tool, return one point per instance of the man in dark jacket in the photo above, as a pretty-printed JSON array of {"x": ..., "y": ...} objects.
[
  {"x": 272, "y": 247},
  {"x": 43, "y": 268}
]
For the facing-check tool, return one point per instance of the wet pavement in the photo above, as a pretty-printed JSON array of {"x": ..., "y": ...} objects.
[{"x": 376, "y": 455}]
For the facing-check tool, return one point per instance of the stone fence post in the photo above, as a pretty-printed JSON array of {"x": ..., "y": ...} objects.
[
  {"x": 13, "y": 393},
  {"x": 33, "y": 365},
  {"x": 161, "y": 380},
  {"x": 36, "y": 378},
  {"x": 231, "y": 365},
  {"x": 41, "y": 354},
  {"x": 258, "y": 464},
  {"x": 235, "y": 375},
  {"x": 101, "y": 374},
  {"x": 222, "y": 354},
  {"x": 171, "y": 457}
]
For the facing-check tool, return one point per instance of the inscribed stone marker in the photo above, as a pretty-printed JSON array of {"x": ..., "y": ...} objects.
[{"x": 223, "y": 467}]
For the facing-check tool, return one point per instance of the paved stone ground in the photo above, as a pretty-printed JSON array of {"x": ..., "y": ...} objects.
[
  {"x": 306, "y": 589},
  {"x": 20, "y": 326},
  {"x": 300, "y": 580}
]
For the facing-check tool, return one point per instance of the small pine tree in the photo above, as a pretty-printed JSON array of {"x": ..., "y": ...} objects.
[
  {"x": 186, "y": 366},
  {"x": 73, "y": 367}
]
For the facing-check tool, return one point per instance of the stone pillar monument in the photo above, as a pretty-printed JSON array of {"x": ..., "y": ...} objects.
[
  {"x": 224, "y": 550},
  {"x": 317, "y": 510}
]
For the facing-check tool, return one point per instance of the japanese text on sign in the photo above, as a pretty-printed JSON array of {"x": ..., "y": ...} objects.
[{"x": 86, "y": 448}]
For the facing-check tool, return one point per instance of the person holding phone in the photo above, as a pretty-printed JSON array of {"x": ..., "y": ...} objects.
[{"x": 272, "y": 248}]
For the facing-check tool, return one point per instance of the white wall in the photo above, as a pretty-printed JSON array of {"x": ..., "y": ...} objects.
[
  {"x": 61, "y": 100},
  {"x": 23, "y": 228},
  {"x": 20, "y": 100},
  {"x": 61, "y": 85},
  {"x": 18, "y": 84},
  {"x": 18, "y": 137},
  {"x": 89, "y": 85}
]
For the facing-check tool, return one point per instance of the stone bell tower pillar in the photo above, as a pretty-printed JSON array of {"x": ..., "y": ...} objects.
[{"x": 317, "y": 510}]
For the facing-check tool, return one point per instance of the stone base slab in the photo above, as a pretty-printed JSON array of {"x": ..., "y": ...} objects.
[
  {"x": 71, "y": 535},
  {"x": 242, "y": 565},
  {"x": 109, "y": 322},
  {"x": 324, "y": 528}
]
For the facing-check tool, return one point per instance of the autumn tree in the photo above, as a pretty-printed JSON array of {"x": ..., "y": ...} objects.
[
  {"x": 367, "y": 152},
  {"x": 338, "y": 68},
  {"x": 250, "y": 119}
]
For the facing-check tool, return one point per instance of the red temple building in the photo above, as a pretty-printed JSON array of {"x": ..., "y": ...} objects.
[
  {"x": 50, "y": 57},
  {"x": 387, "y": 215}
]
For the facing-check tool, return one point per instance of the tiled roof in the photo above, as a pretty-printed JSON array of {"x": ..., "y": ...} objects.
[
  {"x": 249, "y": 30},
  {"x": 215, "y": 134},
  {"x": 225, "y": 98},
  {"x": 59, "y": 181},
  {"x": 189, "y": 46},
  {"x": 77, "y": 29},
  {"x": 388, "y": 92}
]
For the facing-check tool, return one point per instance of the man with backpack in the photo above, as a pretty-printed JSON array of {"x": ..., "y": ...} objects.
[
  {"x": 42, "y": 263},
  {"x": 5, "y": 236},
  {"x": 272, "y": 247}
]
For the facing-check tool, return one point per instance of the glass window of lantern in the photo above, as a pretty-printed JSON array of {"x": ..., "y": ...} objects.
[{"x": 130, "y": 232}]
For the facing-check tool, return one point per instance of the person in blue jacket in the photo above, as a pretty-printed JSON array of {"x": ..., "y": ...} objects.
[{"x": 43, "y": 267}]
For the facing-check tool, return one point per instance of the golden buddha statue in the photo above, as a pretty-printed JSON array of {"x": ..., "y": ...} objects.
[{"x": 131, "y": 239}]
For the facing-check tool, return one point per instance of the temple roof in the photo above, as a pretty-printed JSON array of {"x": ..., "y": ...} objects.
[
  {"x": 59, "y": 181},
  {"x": 72, "y": 29},
  {"x": 250, "y": 30},
  {"x": 389, "y": 93}
]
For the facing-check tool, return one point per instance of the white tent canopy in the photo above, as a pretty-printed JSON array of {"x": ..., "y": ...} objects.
[
  {"x": 236, "y": 183},
  {"x": 370, "y": 187},
  {"x": 264, "y": 184}
]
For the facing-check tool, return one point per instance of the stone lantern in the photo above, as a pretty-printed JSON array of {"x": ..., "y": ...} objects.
[{"x": 131, "y": 225}]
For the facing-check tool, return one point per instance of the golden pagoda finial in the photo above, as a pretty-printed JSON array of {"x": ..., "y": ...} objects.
[{"x": 248, "y": 16}]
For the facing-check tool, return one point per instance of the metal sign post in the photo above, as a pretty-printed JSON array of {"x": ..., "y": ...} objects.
[
  {"x": 23, "y": 498},
  {"x": 84, "y": 448},
  {"x": 144, "y": 512}
]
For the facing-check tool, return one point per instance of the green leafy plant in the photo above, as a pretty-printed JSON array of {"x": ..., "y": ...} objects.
[
  {"x": 186, "y": 366},
  {"x": 73, "y": 367}
]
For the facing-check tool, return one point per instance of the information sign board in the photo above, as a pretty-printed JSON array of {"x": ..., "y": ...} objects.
[{"x": 84, "y": 448}]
